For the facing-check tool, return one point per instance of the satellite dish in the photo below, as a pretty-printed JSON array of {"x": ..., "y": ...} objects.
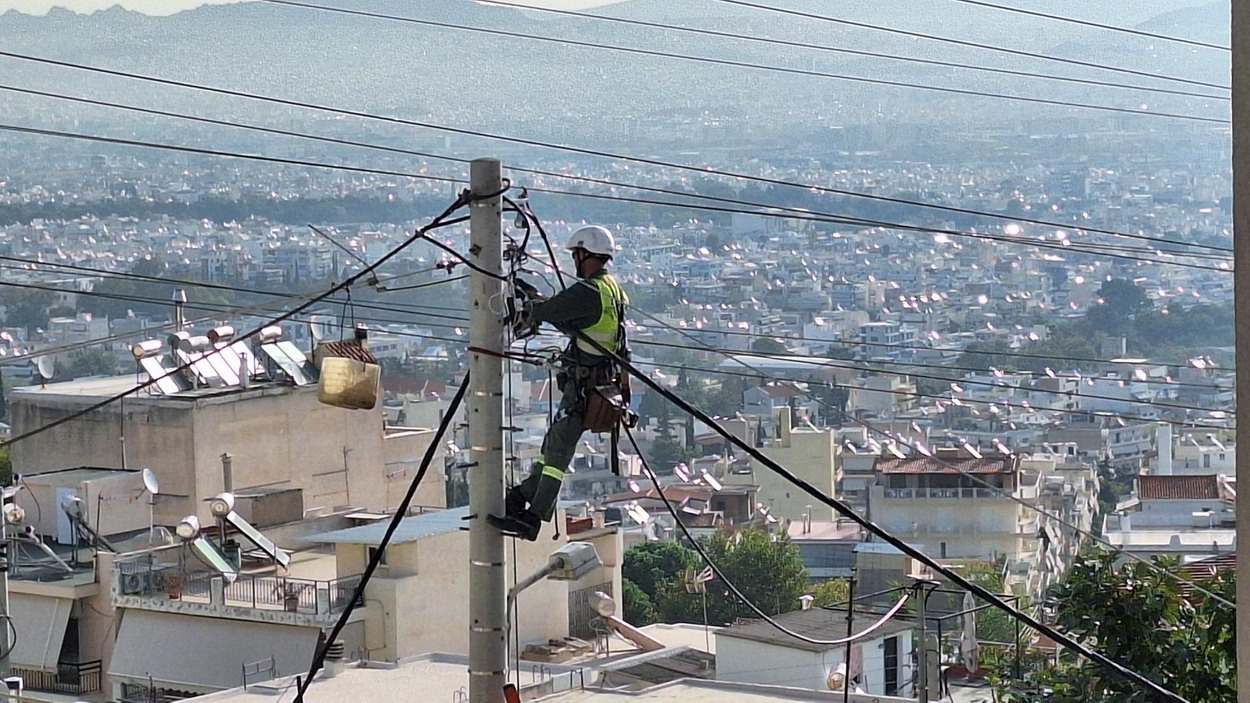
[
  {"x": 74, "y": 507},
  {"x": 47, "y": 368},
  {"x": 317, "y": 327},
  {"x": 150, "y": 482}
]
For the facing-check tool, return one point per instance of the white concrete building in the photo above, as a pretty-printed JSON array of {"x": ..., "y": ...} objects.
[
  {"x": 756, "y": 652},
  {"x": 1186, "y": 516}
]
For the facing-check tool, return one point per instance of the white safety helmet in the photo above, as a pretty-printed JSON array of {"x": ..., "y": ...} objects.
[{"x": 594, "y": 239}]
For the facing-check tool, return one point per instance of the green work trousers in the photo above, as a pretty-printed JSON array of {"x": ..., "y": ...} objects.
[{"x": 540, "y": 491}]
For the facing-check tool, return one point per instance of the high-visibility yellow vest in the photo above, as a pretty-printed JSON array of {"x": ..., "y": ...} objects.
[{"x": 607, "y": 330}]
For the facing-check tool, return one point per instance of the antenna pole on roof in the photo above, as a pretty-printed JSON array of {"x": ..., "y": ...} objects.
[
  {"x": 487, "y": 576},
  {"x": 180, "y": 315}
]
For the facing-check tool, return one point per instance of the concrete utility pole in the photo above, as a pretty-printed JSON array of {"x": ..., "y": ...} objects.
[
  {"x": 1240, "y": 25},
  {"x": 6, "y": 643},
  {"x": 487, "y": 575}
]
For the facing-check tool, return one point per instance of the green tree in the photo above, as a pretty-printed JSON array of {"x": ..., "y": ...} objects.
[
  {"x": 1143, "y": 620},
  {"x": 6, "y": 466},
  {"x": 1121, "y": 301},
  {"x": 834, "y": 592},
  {"x": 840, "y": 352},
  {"x": 768, "y": 345},
  {"x": 639, "y": 611},
  {"x": 766, "y": 568},
  {"x": 26, "y": 307},
  {"x": 90, "y": 362},
  {"x": 648, "y": 564}
]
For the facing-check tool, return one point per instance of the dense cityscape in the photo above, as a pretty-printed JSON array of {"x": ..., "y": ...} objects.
[{"x": 998, "y": 334}]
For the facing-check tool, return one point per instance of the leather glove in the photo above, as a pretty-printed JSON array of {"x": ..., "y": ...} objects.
[
  {"x": 529, "y": 290},
  {"x": 523, "y": 323}
]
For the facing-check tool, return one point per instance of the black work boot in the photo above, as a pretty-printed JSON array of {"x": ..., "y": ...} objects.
[
  {"x": 522, "y": 525},
  {"x": 514, "y": 503}
]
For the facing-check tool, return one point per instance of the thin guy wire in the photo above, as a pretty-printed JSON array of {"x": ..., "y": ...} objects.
[
  {"x": 975, "y": 45},
  {"x": 705, "y": 171},
  {"x": 841, "y": 50},
  {"x": 754, "y": 66}
]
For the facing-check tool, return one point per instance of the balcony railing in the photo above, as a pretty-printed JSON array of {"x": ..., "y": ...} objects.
[
  {"x": 261, "y": 592},
  {"x": 70, "y": 677},
  {"x": 942, "y": 493}
]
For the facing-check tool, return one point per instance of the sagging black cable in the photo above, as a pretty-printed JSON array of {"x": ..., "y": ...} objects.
[
  {"x": 889, "y": 615},
  {"x": 400, "y": 513},
  {"x": 566, "y": 148},
  {"x": 440, "y": 221},
  {"x": 842, "y": 508}
]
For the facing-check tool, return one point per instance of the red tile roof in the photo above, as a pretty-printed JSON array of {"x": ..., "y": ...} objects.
[
  {"x": 1206, "y": 568},
  {"x": 947, "y": 464},
  {"x": 1178, "y": 487}
]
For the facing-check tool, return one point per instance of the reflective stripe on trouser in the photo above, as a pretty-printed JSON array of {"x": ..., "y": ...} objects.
[{"x": 542, "y": 488}]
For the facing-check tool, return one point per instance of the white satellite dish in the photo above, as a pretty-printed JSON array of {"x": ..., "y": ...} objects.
[
  {"x": 150, "y": 483},
  {"x": 153, "y": 488},
  {"x": 317, "y": 327},
  {"x": 46, "y": 366}
]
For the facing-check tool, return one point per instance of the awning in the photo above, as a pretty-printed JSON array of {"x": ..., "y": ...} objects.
[
  {"x": 40, "y": 623},
  {"x": 206, "y": 653}
]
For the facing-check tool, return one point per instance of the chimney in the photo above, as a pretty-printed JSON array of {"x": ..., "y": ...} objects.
[
  {"x": 180, "y": 317},
  {"x": 807, "y": 520},
  {"x": 1163, "y": 444},
  {"x": 227, "y": 472},
  {"x": 784, "y": 425},
  {"x": 806, "y": 601}
]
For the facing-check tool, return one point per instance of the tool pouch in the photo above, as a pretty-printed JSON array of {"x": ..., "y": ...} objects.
[{"x": 605, "y": 406}]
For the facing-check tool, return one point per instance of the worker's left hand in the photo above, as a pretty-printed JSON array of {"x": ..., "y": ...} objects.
[
  {"x": 528, "y": 290},
  {"x": 523, "y": 323}
]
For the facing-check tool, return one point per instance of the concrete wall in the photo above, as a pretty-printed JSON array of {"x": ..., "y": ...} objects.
[
  {"x": 810, "y": 455},
  {"x": 419, "y": 601},
  {"x": 279, "y": 437},
  {"x": 970, "y": 527},
  {"x": 121, "y": 509},
  {"x": 402, "y": 451},
  {"x": 745, "y": 661}
]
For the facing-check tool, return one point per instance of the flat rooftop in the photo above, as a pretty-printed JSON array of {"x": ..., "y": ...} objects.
[
  {"x": 693, "y": 691},
  {"x": 98, "y": 387},
  {"x": 436, "y": 677},
  {"x": 410, "y": 529}
]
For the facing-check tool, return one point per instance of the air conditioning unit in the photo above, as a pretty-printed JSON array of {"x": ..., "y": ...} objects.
[{"x": 135, "y": 583}]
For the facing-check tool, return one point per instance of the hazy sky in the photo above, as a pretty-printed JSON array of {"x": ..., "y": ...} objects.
[{"x": 168, "y": 7}]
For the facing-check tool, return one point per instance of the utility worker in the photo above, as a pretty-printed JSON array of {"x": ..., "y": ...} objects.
[{"x": 595, "y": 307}]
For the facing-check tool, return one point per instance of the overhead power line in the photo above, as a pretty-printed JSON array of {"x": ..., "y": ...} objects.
[
  {"x": 842, "y": 508},
  {"x": 439, "y": 221},
  {"x": 971, "y": 44},
  {"x": 698, "y": 547},
  {"x": 1095, "y": 25},
  {"x": 849, "y": 52},
  {"x": 762, "y": 376},
  {"x": 705, "y": 171},
  {"x": 749, "y": 65},
  {"x": 1151, "y": 255}
]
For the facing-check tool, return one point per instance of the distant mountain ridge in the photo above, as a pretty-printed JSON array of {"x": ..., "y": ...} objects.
[{"x": 482, "y": 79}]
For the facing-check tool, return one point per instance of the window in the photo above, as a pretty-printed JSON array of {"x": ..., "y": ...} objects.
[
  {"x": 373, "y": 551},
  {"x": 942, "y": 549}
]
